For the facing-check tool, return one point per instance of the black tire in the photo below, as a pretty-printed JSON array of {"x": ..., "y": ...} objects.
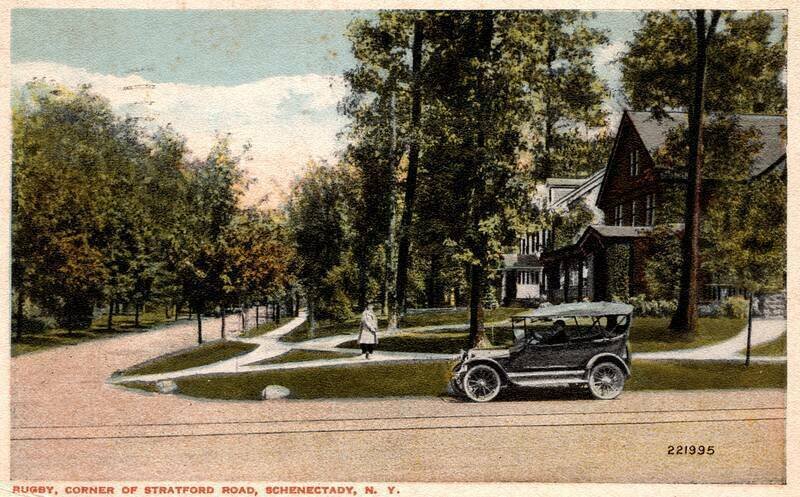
[
  {"x": 606, "y": 381},
  {"x": 482, "y": 383}
]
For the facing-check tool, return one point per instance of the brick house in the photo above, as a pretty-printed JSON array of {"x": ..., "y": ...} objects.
[{"x": 633, "y": 194}]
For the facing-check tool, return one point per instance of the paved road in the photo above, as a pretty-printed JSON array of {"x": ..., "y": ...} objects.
[{"x": 68, "y": 424}]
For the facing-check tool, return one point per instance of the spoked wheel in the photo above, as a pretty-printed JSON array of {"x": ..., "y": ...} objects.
[
  {"x": 482, "y": 383},
  {"x": 606, "y": 381}
]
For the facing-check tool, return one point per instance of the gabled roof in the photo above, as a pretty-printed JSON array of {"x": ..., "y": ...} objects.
[
  {"x": 654, "y": 132},
  {"x": 586, "y": 186}
]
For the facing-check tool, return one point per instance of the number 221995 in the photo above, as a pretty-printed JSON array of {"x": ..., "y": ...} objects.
[{"x": 690, "y": 450}]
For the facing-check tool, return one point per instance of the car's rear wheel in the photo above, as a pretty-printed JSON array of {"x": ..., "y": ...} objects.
[
  {"x": 606, "y": 381},
  {"x": 482, "y": 383}
]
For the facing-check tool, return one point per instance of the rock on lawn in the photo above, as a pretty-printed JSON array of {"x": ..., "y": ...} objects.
[
  {"x": 166, "y": 386},
  {"x": 274, "y": 392}
]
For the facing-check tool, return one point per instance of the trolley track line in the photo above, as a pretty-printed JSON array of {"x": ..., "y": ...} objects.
[
  {"x": 393, "y": 418},
  {"x": 395, "y": 429}
]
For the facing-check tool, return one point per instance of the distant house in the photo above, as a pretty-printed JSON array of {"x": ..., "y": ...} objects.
[
  {"x": 523, "y": 278},
  {"x": 630, "y": 196}
]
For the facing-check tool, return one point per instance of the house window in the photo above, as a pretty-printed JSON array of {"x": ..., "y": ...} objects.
[
  {"x": 650, "y": 210},
  {"x": 536, "y": 277},
  {"x": 633, "y": 213},
  {"x": 634, "y": 162},
  {"x": 618, "y": 215}
]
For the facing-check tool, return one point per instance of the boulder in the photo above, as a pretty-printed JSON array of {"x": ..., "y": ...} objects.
[
  {"x": 166, "y": 386},
  {"x": 274, "y": 392}
]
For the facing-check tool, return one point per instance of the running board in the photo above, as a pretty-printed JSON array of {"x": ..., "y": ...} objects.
[
  {"x": 548, "y": 382},
  {"x": 537, "y": 374}
]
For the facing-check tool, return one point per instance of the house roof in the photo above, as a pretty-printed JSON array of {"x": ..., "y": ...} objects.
[
  {"x": 586, "y": 186},
  {"x": 654, "y": 132},
  {"x": 556, "y": 182}
]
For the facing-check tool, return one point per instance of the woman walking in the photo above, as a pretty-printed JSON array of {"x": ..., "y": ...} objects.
[{"x": 368, "y": 337}]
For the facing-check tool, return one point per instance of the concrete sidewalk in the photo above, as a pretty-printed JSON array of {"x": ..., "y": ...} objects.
[{"x": 764, "y": 331}]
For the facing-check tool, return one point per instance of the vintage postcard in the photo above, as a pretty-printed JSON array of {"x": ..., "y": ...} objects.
[{"x": 397, "y": 249}]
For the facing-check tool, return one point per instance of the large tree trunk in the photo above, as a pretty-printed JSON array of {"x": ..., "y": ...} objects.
[
  {"x": 257, "y": 306},
  {"x": 222, "y": 324},
  {"x": 199, "y": 326},
  {"x": 549, "y": 118},
  {"x": 403, "y": 256},
  {"x": 477, "y": 273},
  {"x": 278, "y": 311},
  {"x": 110, "y": 321},
  {"x": 177, "y": 309},
  {"x": 312, "y": 322},
  {"x": 136, "y": 315},
  {"x": 684, "y": 321},
  {"x": 362, "y": 279}
]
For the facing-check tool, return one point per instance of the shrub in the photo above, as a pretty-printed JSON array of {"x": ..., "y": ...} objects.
[
  {"x": 735, "y": 307},
  {"x": 644, "y": 307}
]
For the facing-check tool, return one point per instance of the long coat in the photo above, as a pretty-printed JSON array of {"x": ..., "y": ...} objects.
[{"x": 369, "y": 329}]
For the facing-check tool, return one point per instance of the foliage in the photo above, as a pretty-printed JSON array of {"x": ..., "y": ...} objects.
[
  {"x": 619, "y": 260},
  {"x": 665, "y": 256},
  {"x": 320, "y": 230},
  {"x": 642, "y": 306},
  {"x": 570, "y": 223},
  {"x": 735, "y": 307},
  {"x": 105, "y": 212},
  {"x": 744, "y": 66}
]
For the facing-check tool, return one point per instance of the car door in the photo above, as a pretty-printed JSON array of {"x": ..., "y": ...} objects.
[{"x": 541, "y": 356}]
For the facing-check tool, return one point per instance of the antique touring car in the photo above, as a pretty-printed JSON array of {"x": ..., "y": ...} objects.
[{"x": 580, "y": 344}]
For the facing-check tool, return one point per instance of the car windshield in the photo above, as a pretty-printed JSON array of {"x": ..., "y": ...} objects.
[{"x": 569, "y": 328}]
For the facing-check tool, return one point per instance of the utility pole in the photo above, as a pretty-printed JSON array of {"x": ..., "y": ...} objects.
[{"x": 749, "y": 326}]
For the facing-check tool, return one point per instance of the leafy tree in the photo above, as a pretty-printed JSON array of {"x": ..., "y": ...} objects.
[
  {"x": 565, "y": 95},
  {"x": 737, "y": 70},
  {"x": 64, "y": 141},
  {"x": 319, "y": 229},
  {"x": 214, "y": 188}
]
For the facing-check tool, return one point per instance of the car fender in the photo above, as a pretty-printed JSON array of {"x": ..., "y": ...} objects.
[
  {"x": 607, "y": 356},
  {"x": 489, "y": 362}
]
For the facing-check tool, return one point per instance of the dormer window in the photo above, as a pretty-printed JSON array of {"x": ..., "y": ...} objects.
[{"x": 634, "y": 162}]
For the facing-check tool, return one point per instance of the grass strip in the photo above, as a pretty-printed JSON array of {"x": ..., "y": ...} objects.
[
  {"x": 301, "y": 355},
  {"x": 429, "y": 378},
  {"x": 208, "y": 353}
]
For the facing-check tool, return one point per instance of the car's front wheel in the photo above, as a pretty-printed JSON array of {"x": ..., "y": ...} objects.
[
  {"x": 482, "y": 383},
  {"x": 606, "y": 381}
]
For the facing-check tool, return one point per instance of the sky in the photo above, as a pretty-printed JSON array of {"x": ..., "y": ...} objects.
[{"x": 270, "y": 78}]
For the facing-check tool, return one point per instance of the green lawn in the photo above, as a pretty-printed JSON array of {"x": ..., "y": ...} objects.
[
  {"x": 694, "y": 375},
  {"x": 358, "y": 380},
  {"x": 58, "y": 337},
  {"x": 773, "y": 348},
  {"x": 324, "y": 329},
  {"x": 433, "y": 318},
  {"x": 197, "y": 356},
  {"x": 428, "y": 379},
  {"x": 265, "y": 328},
  {"x": 442, "y": 317},
  {"x": 300, "y": 355},
  {"x": 442, "y": 342},
  {"x": 653, "y": 335}
]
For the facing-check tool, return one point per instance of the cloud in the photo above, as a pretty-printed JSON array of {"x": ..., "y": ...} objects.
[{"x": 288, "y": 120}]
